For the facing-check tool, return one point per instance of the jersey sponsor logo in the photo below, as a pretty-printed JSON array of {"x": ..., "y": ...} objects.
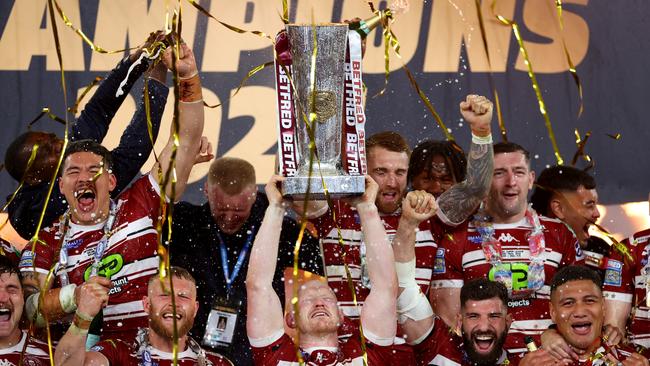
[
  {"x": 475, "y": 239},
  {"x": 97, "y": 348},
  {"x": 110, "y": 265},
  {"x": 27, "y": 259},
  {"x": 614, "y": 273},
  {"x": 439, "y": 263},
  {"x": 519, "y": 273},
  {"x": 74, "y": 244},
  {"x": 507, "y": 238},
  {"x": 579, "y": 253},
  {"x": 518, "y": 303},
  {"x": 117, "y": 285}
]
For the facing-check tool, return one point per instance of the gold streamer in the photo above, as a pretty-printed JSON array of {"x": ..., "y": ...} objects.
[
  {"x": 285, "y": 12},
  {"x": 46, "y": 112},
  {"x": 80, "y": 33},
  {"x": 231, "y": 27},
  {"x": 600, "y": 232},
  {"x": 615, "y": 137},
  {"x": 250, "y": 73},
  {"x": 572, "y": 68},
  {"x": 533, "y": 78},
  {"x": 428, "y": 104},
  {"x": 497, "y": 102},
  {"x": 75, "y": 108},
  {"x": 580, "y": 152}
]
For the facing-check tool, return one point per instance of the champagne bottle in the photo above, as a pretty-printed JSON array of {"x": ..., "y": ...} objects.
[{"x": 364, "y": 27}]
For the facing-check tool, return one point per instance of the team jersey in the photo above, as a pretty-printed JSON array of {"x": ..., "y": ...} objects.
[
  {"x": 36, "y": 353},
  {"x": 129, "y": 259},
  {"x": 282, "y": 352},
  {"x": 354, "y": 248},
  {"x": 461, "y": 258},
  {"x": 640, "y": 324},
  {"x": 443, "y": 347},
  {"x": 614, "y": 268},
  {"x": 120, "y": 353}
]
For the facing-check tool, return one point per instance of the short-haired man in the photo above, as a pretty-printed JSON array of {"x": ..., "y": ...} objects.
[
  {"x": 153, "y": 345},
  {"x": 569, "y": 194},
  {"x": 12, "y": 338},
  {"x": 388, "y": 164},
  {"x": 507, "y": 242},
  {"x": 93, "y": 123},
  {"x": 214, "y": 241},
  {"x": 99, "y": 239},
  {"x": 435, "y": 166},
  {"x": 578, "y": 308},
  {"x": 319, "y": 316}
]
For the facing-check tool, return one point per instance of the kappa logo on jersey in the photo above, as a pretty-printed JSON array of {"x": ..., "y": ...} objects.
[
  {"x": 439, "y": 263},
  {"x": 507, "y": 238},
  {"x": 111, "y": 265},
  {"x": 518, "y": 273},
  {"x": 614, "y": 273}
]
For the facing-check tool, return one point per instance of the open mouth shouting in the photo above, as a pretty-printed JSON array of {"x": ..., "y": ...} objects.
[
  {"x": 168, "y": 315},
  {"x": 581, "y": 328},
  {"x": 484, "y": 341},
  {"x": 5, "y": 314},
  {"x": 85, "y": 196}
]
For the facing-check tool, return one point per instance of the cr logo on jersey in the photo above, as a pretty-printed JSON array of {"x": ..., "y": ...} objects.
[
  {"x": 519, "y": 273},
  {"x": 110, "y": 265},
  {"x": 506, "y": 237}
]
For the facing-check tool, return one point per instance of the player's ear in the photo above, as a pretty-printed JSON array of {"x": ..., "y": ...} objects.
[{"x": 290, "y": 320}]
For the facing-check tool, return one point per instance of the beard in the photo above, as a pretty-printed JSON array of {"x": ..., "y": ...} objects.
[
  {"x": 479, "y": 359},
  {"x": 157, "y": 325}
]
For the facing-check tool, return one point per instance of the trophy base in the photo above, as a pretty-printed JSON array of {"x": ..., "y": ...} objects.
[{"x": 338, "y": 186}]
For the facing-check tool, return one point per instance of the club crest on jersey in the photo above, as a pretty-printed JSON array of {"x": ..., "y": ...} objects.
[
  {"x": 507, "y": 238},
  {"x": 613, "y": 273}
]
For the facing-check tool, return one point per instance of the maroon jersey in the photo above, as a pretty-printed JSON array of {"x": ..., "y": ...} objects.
[
  {"x": 640, "y": 325},
  {"x": 121, "y": 353},
  {"x": 282, "y": 352},
  {"x": 129, "y": 259},
  {"x": 443, "y": 347},
  {"x": 353, "y": 247},
  {"x": 36, "y": 353},
  {"x": 461, "y": 258}
]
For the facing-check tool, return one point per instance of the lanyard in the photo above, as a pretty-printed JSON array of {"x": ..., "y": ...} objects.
[{"x": 230, "y": 277}]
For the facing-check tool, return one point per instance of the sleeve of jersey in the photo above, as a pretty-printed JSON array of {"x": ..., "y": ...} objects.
[
  {"x": 573, "y": 253},
  {"x": 272, "y": 352},
  {"x": 618, "y": 283},
  {"x": 40, "y": 260},
  {"x": 146, "y": 192},
  {"x": 115, "y": 351},
  {"x": 448, "y": 266}
]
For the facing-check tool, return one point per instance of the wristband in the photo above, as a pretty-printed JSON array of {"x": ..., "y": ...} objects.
[
  {"x": 83, "y": 316},
  {"x": 66, "y": 298},
  {"x": 406, "y": 273},
  {"x": 76, "y": 330},
  {"x": 482, "y": 140},
  {"x": 189, "y": 77},
  {"x": 31, "y": 309}
]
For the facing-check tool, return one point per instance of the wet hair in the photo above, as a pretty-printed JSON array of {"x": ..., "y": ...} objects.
[
  {"x": 90, "y": 146},
  {"x": 389, "y": 140},
  {"x": 426, "y": 150},
  {"x": 483, "y": 289},
  {"x": 7, "y": 266},
  {"x": 558, "y": 178},
  {"x": 510, "y": 147},
  {"x": 232, "y": 175},
  {"x": 575, "y": 273},
  {"x": 175, "y": 271},
  {"x": 20, "y": 150}
]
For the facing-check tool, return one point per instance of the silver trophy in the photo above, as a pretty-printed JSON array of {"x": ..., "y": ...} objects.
[{"x": 329, "y": 79}]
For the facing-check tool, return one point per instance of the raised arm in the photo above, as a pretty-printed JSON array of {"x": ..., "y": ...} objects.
[
  {"x": 265, "y": 317},
  {"x": 378, "y": 315},
  {"x": 71, "y": 350},
  {"x": 190, "y": 111},
  {"x": 460, "y": 201},
  {"x": 414, "y": 312}
]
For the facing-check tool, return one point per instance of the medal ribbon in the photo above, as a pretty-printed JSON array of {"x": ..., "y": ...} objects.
[{"x": 230, "y": 276}]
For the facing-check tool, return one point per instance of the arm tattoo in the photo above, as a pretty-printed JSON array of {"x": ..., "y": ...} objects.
[{"x": 463, "y": 198}]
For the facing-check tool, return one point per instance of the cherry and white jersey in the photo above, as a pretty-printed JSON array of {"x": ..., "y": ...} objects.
[
  {"x": 336, "y": 255},
  {"x": 120, "y": 353},
  {"x": 443, "y": 347},
  {"x": 281, "y": 351},
  {"x": 129, "y": 259},
  {"x": 36, "y": 353},
  {"x": 461, "y": 258},
  {"x": 615, "y": 269},
  {"x": 640, "y": 326}
]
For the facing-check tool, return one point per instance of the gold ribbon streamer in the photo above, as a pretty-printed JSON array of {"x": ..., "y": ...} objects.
[
  {"x": 231, "y": 27},
  {"x": 600, "y": 232},
  {"x": 46, "y": 112},
  {"x": 533, "y": 78},
  {"x": 80, "y": 33},
  {"x": 285, "y": 12},
  {"x": 75, "y": 108},
  {"x": 572, "y": 68},
  {"x": 497, "y": 102},
  {"x": 250, "y": 73},
  {"x": 615, "y": 137},
  {"x": 428, "y": 104},
  {"x": 580, "y": 152}
]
